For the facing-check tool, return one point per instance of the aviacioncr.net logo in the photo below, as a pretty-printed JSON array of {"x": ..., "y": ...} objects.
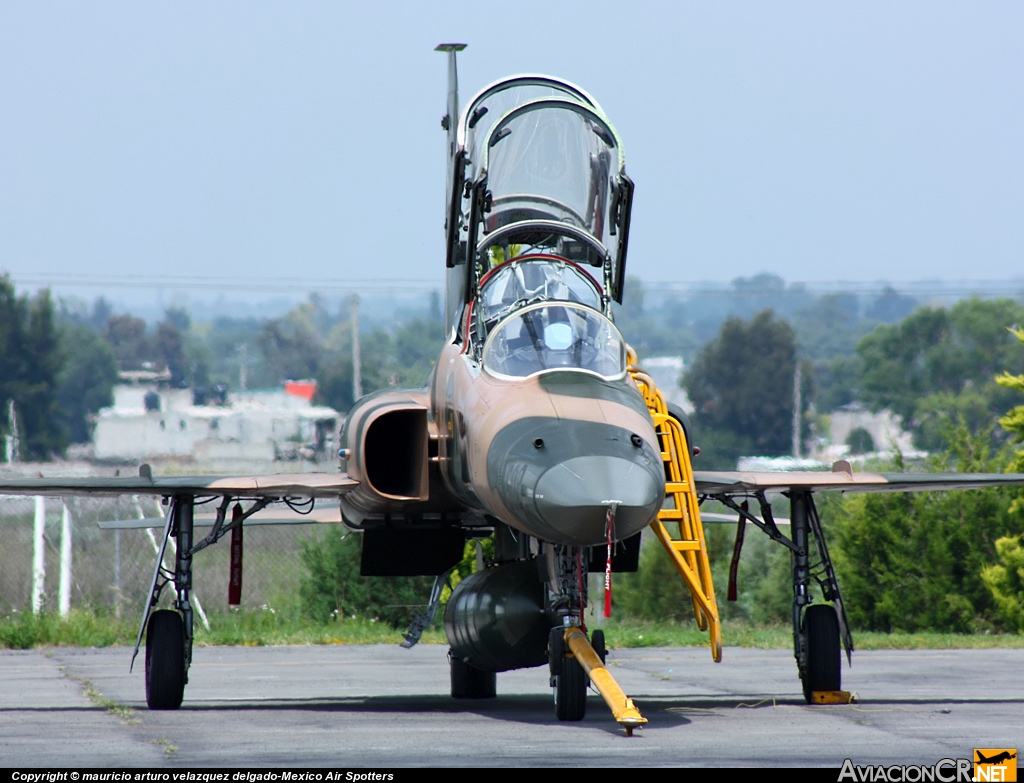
[
  {"x": 995, "y": 764},
  {"x": 943, "y": 771}
]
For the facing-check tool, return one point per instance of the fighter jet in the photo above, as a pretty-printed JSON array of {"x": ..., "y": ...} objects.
[{"x": 536, "y": 428}]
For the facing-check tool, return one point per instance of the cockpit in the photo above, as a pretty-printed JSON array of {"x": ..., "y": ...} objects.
[
  {"x": 536, "y": 163},
  {"x": 534, "y": 279},
  {"x": 540, "y": 313},
  {"x": 554, "y": 336},
  {"x": 537, "y": 227}
]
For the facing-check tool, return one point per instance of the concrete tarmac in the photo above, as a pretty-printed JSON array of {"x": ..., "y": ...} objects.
[{"x": 343, "y": 707}]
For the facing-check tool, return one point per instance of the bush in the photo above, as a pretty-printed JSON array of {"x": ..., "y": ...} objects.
[
  {"x": 333, "y": 586},
  {"x": 658, "y": 593},
  {"x": 914, "y": 561}
]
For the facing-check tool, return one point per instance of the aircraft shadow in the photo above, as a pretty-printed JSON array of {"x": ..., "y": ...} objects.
[{"x": 526, "y": 709}]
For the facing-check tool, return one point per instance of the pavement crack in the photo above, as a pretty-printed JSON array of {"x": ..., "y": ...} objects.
[{"x": 126, "y": 714}]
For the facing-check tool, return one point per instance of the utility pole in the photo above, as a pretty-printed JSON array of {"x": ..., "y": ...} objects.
[
  {"x": 797, "y": 404},
  {"x": 357, "y": 375},
  {"x": 39, "y": 555},
  {"x": 243, "y": 361},
  {"x": 12, "y": 446}
]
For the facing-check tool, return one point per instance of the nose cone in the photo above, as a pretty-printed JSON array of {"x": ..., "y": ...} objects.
[
  {"x": 558, "y": 478},
  {"x": 573, "y": 497}
]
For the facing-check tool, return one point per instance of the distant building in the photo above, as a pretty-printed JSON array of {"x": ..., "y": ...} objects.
[
  {"x": 667, "y": 371},
  {"x": 151, "y": 421},
  {"x": 887, "y": 437},
  {"x": 884, "y": 427}
]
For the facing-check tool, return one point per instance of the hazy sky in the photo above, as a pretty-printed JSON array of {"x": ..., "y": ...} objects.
[{"x": 262, "y": 141}]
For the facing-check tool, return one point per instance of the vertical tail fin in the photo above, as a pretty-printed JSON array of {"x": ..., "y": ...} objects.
[{"x": 450, "y": 121}]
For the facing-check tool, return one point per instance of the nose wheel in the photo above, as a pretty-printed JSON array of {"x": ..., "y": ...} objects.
[{"x": 568, "y": 679}]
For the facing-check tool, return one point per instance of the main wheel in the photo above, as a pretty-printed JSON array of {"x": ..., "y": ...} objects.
[
  {"x": 165, "y": 660},
  {"x": 471, "y": 683},
  {"x": 569, "y": 678},
  {"x": 821, "y": 629}
]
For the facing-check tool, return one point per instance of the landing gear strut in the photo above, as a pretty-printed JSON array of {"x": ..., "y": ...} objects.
[
  {"x": 567, "y": 596},
  {"x": 816, "y": 629},
  {"x": 169, "y": 631}
]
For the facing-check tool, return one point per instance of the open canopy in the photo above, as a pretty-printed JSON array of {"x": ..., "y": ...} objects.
[{"x": 536, "y": 152}]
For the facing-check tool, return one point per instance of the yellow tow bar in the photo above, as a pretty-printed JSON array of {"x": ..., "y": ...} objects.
[{"x": 622, "y": 707}]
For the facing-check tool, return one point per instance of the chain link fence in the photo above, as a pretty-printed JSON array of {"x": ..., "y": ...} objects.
[{"x": 112, "y": 569}]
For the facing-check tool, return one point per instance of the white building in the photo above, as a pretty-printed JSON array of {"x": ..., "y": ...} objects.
[
  {"x": 667, "y": 371},
  {"x": 150, "y": 421}
]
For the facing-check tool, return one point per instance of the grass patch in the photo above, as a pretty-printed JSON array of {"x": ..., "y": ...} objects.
[
  {"x": 125, "y": 713},
  {"x": 928, "y": 640},
  {"x": 82, "y": 628},
  {"x": 245, "y": 628},
  {"x": 267, "y": 627},
  {"x": 169, "y": 749},
  {"x": 645, "y": 633}
]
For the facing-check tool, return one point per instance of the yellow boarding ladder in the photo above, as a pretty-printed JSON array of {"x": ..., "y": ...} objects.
[{"x": 689, "y": 551}]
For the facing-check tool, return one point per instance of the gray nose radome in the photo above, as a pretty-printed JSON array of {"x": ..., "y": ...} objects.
[{"x": 573, "y": 497}]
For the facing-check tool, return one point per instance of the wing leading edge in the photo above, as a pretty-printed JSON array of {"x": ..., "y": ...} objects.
[
  {"x": 740, "y": 482},
  {"x": 279, "y": 485}
]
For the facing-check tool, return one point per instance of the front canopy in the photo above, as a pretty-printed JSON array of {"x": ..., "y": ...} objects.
[{"x": 551, "y": 337}]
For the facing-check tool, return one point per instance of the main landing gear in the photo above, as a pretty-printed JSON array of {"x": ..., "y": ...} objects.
[
  {"x": 471, "y": 683},
  {"x": 169, "y": 631},
  {"x": 818, "y": 629}
]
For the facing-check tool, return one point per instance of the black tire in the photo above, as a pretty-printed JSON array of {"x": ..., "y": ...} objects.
[
  {"x": 821, "y": 629},
  {"x": 165, "y": 660},
  {"x": 597, "y": 642},
  {"x": 570, "y": 681},
  {"x": 471, "y": 683}
]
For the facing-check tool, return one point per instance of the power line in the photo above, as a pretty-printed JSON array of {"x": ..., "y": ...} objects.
[{"x": 926, "y": 288}]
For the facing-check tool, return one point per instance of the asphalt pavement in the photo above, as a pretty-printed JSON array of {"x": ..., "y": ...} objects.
[{"x": 370, "y": 706}]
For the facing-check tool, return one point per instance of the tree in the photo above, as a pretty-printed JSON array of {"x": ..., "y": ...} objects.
[
  {"x": 1013, "y": 421},
  {"x": 657, "y": 592},
  {"x": 86, "y": 381},
  {"x": 938, "y": 365},
  {"x": 1005, "y": 579},
  {"x": 30, "y": 358},
  {"x": 127, "y": 337},
  {"x": 167, "y": 349},
  {"x": 741, "y": 385},
  {"x": 292, "y": 346},
  {"x": 915, "y": 561},
  {"x": 891, "y": 306}
]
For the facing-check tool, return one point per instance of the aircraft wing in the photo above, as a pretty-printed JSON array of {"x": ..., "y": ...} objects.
[
  {"x": 279, "y": 485},
  {"x": 744, "y": 483}
]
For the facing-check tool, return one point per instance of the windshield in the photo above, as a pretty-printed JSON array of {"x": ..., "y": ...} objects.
[
  {"x": 552, "y": 336},
  {"x": 525, "y": 281}
]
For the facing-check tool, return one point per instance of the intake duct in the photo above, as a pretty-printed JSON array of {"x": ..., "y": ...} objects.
[{"x": 394, "y": 450}]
